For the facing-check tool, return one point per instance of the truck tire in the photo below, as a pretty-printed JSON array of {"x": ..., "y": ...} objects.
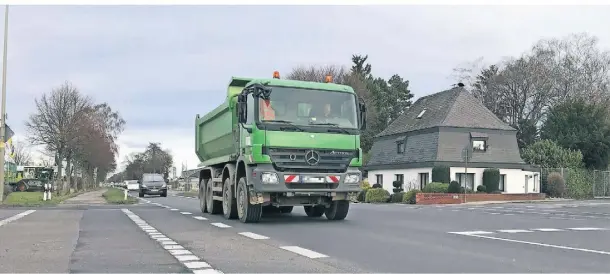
[
  {"x": 229, "y": 203},
  {"x": 337, "y": 211},
  {"x": 286, "y": 209},
  {"x": 141, "y": 194},
  {"x": 247, "y": 212},
  {"x": 202, "y": 195},
  {"x": 314, "y": 211},
  {"x": 214, "y": 207}
]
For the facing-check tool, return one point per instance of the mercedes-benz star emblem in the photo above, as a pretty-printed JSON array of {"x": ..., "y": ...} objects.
[{"x": 312, "y": 158}]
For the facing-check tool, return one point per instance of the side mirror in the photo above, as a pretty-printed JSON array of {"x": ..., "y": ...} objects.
[
  {"x": 362, "y": 107},
  {"x": 248, "y": 128}
]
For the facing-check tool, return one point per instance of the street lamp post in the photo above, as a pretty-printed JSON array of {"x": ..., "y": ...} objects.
[{"x": 3, "y": 118}]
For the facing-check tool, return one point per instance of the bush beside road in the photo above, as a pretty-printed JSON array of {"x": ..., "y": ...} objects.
[{"x": 117, "y": 196}]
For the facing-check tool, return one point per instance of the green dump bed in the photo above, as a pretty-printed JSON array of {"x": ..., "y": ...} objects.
[{"x": 214, "y": 141}]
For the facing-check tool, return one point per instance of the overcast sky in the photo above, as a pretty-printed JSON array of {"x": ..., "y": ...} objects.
[{"x": 160, "y": 66}]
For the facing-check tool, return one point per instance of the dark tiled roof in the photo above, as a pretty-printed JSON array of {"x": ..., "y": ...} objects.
[{"x": 455, "y": 107}]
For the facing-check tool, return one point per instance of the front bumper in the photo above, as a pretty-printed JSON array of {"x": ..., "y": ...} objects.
[{"x": 311, "y": 183}]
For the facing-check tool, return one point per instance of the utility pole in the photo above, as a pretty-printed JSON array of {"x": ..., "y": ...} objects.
[{"x": 3, "y": 119}]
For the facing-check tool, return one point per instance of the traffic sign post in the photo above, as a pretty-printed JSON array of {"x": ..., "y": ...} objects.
[{"x": 466, "y": 156}]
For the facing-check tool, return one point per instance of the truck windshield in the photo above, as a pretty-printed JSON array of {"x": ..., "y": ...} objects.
[{"x": 310, "y": 107}]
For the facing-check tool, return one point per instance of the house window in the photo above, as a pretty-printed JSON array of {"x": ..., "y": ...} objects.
[
  {"x": 379, "y": 179},
  {"x": 536, "y": 182},
  {"x": 423, "y": 180},
  {"x": 466, "y": 180},
  {"x": 502, "y": 184},
  {"x": 400, "y": 147},
  {"x": 479, "y": 145}
]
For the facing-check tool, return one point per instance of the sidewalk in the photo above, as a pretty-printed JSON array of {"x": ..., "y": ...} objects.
[{"x": 93, "y": 197}]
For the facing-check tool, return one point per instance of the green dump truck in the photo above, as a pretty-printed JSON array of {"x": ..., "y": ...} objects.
[{"x": 277, "y": 144}]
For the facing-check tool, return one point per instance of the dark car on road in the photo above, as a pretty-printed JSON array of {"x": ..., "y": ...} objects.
[{"x": 152, "y": 184}]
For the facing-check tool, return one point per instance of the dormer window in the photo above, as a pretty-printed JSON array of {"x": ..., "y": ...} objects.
[{"x": 478, "y": 141}]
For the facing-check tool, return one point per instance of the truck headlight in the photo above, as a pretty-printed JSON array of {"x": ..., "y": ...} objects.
[
  {"x": 164, "y": 185},
  {"x": 269, "y": 178},
  {"x": 352, "y": 179}
]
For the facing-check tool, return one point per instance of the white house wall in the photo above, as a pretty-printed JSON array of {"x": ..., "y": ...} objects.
[
  {"x": 411, "y": 177},
  {"x": 515, "y": 178}
]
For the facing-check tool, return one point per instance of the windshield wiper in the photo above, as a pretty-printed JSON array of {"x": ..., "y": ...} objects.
[
  {"x": 291, "y": 124},
  {"x": 335, "y": 126}
]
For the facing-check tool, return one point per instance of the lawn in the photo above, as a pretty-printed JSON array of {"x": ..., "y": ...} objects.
[
  {"x": 34, "y": 199},
  {"x": 117, "y": 196}
]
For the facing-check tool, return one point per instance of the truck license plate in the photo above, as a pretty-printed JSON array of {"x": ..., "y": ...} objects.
[{"x": 313, "y": 179}]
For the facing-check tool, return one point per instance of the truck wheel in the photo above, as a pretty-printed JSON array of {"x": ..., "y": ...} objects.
[
  {"x": 314, "y": 211},
  {"x": 247, "y": 212},
  {"x": 141, "y": 194},
  {"x": 337, "y": 210},
  {"x": 286, "y": 209},
  {"x": 229, "y": 203},
  {"x": 214, "y": 207},
  {"x": 202, "y": 195}
]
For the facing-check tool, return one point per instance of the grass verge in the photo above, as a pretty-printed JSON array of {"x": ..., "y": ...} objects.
[
  {"x": 34, "y": 199},
  {"x": 117, "y": 196}
]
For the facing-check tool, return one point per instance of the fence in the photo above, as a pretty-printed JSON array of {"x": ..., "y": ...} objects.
[{"x": 580, "y": 183}]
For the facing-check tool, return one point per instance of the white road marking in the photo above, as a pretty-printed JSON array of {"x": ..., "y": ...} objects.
[
  {"x": 494, "y": 213},
  {"x": 509, "y": 214},
  {"x": 186, "y": 213},
  {"x": 16, "y": 217},
  {"x": 173, "y": 209},
  {"x": 542, "y": 244},
  {"x": 253, "y": 236},
  {"x": 472, "y": 232},
  {"x": 179, "y": 252},
  {"x": 304, "y": 252},
  {"x": 221, "y": 225},
  {"x": 200, "y": 218},
  {"x": 514, "y": 230},
  {"x": 184, "y": 258},
  {"x": 587, "y": 228},
  {"x": 207, "y": 271},
  {"x": 548, "y": 229},
  {"x": 194, "y": 265}
]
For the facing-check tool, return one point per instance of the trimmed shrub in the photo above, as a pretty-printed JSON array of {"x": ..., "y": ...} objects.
[
  {"x": 396, "y": 197},
  {"x": 441, "y": 174},
  {"x": 377, "y": 195},
  {"x": 409, "y": 196},
  {"x": 481, "y": 189},
  {"x": 397, "y": 186},
  {"x": 454, "y": 187},
  {"x": 491, "y": 179},
  {"x": 365, "y": 184},
  {"x": 436, "y": 187},
  {"x": 7, "y": 190},
  {"x": 556, "y": 185},
  {"x": 578, "y": 184}
]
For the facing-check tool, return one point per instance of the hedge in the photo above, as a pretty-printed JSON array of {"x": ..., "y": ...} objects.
[
  {"x": 436, "y": 187},
  {"x": 556, "y": 185},
  {"x": 579, "y": 185},
  {"x": 377, "y": 195},
  {"x": 454, "y": 187},
  {"x": 491, "y": 179},
  {"x": 409, "y": 196},
  {"x": 441, "y": 174}
]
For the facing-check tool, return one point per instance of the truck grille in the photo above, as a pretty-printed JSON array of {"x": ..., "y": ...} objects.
[{"x": 295, "y": 160}]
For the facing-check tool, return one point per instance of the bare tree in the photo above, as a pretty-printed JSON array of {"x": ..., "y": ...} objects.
[
  {"x": 55, "y": 123},
  {"x": 520, "y": 91},
  {"x": 23, "y": 154}
]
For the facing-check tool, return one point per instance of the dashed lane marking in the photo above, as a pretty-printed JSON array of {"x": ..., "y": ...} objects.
[
  {"x": 480, "y": 232},
  {"x": 304, "y": 252},
  {"x": 16, "y": 217},
  {"x": 185, "y": 213},
  {"x": 221, "y": 225},
  {"x": 253, "y": 236},
  {"x": 184, "y": 256},
  {"x": 201, "y": 218}
]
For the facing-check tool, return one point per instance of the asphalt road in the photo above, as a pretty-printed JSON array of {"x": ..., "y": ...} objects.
[{"x": 170, "y": 235}]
